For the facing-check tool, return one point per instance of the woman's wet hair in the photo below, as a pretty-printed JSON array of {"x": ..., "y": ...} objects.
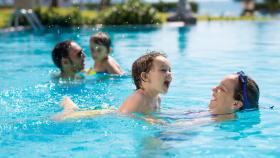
[
  {"x": 61, "y": 50},
  {"x": 252, "y": 92},
  {"x": 101, "y": 38},
  {"x": 143, "y": 64}
]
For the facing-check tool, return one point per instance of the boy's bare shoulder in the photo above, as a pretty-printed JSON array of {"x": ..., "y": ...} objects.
[
  {"x": 112, "y": 62},
  {"x": 133, "y": 103},
  {"x": 112, "y": 66}
]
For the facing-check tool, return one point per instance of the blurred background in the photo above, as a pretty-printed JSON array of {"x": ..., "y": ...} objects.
[{"x": 128, "y": 12}]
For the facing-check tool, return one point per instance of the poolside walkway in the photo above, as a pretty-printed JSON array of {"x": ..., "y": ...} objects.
[{"x": 14, "y": 29}]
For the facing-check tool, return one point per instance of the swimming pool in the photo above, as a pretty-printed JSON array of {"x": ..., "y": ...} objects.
[{"x": 200, "y": 55}]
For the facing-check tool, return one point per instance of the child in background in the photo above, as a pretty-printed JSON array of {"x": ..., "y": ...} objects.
[
  {"x": 151, "y": 74},
  {"x": 100, "y": 50}
]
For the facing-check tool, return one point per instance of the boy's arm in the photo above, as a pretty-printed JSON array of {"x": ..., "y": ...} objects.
[{"x": 113, "y": 68}]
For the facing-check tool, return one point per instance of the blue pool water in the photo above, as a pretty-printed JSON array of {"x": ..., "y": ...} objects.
[{"x": 201, "y": 56}]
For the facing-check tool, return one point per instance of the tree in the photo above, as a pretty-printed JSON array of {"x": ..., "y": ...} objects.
[
  {"x": 268, "y": 6},
  {"x": 54, "y": 3},
  {"x": 248, "y": 8},
  {"x": 272, "y": 1},
  {"x": 104, "y": 3}
]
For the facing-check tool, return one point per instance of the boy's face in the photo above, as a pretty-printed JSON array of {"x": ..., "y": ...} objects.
[
  {"x": 222, "y": 101},
  {"x": 160, "y": 75},
  {"x": 98, "y": 52}
]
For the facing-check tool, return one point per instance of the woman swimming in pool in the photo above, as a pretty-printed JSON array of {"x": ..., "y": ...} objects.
[{"x": 236, "y": 92}]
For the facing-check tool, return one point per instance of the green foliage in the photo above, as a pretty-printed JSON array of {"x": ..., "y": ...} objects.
[
  {"x": 131, "y": 12},
  {"x": 6, "y": 7},
  {"x": 5, "y": 15},
  {"x": 89, "y": 6},
  {"x": 171, "y": 6},
  {"x": 272, "y": 1},
  {"x": 194, "y": 7},
  {"x": 165, "y": 6},
  {"x": 89, "y": 17},
  {"x": 60, "y": 16},
  {"x": 270, "y": 6}
]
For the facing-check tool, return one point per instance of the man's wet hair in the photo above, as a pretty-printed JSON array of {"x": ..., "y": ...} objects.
[
  {"x": 101, "y": 38},
  {"x": 143, "y": 64},
  {"x": 61, "y": 50},
  {"x": 252, "y": 91}
]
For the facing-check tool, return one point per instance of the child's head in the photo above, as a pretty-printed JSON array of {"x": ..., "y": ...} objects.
[
  {"x": 152, "y": 71},
  {"x": 100, "y": 46}
]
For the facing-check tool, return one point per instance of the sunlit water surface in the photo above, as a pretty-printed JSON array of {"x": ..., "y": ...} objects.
[{"x": 201, "y": 56}]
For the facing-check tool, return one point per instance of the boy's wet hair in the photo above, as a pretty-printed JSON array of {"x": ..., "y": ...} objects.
[
  {"x": 61, "y": 50},
  {"x": 143, "y": 64},
  {"x": 101, "y": 38},
  {"x": 252, "y": 91}
]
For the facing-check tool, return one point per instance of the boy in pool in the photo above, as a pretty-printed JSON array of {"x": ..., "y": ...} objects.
[
  {"x": 100, "y": 50},
  {"x": 151, "y": 74}
]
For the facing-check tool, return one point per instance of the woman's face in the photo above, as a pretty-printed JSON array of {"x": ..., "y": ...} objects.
[{"x": 223, "y": 101}]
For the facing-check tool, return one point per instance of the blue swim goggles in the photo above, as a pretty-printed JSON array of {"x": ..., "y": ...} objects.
[{"x": 243, "y": 79}]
